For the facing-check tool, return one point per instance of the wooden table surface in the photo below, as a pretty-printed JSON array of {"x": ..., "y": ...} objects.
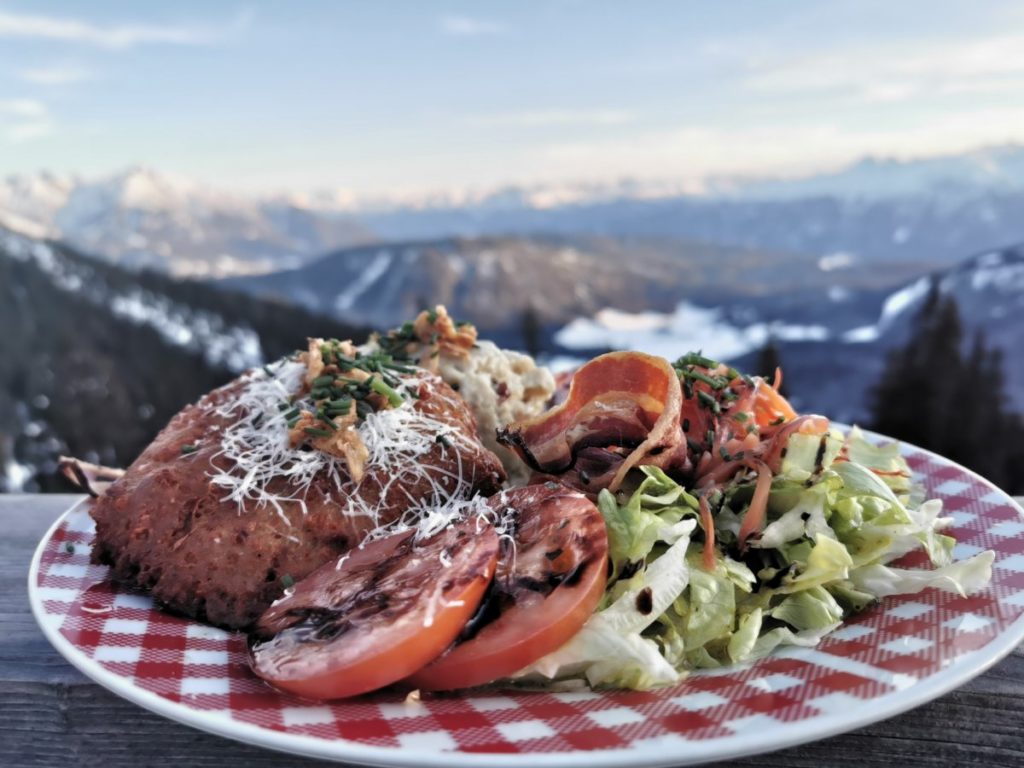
[{"x": 51, "y": 715}]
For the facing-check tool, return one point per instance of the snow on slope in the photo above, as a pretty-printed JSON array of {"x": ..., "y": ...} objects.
[
  {"x": 688, "y": 328},
  {"x": 994, "y": 279},
  {"x": 234, "y": 347},
  {"x": 370, "y": 275}
]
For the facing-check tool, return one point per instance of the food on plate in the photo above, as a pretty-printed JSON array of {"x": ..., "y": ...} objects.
[
  {"x": 269, "y": 477},
  {"x": 383, "y": 612},
  {"x": 500, "y": 386},
  {"x": 549, "y": 580},
  {"x": 767, "y": 529},
  {"x": 349, "y": 506},
  {"x": 616, "y": 400}
]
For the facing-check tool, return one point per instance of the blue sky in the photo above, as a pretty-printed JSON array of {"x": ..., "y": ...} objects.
[{"x": 412, "y": 96}]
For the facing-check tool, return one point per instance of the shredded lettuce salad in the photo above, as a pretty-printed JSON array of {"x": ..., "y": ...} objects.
[{"x": 833, "y": 527}]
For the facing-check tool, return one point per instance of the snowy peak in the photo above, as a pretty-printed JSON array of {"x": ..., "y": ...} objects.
[
  {"x": 992, "y": 169},
  {"x": 988, "y": 289},
  {"x": 144, "y": 218},
  {"x": 876, "y": 210}
]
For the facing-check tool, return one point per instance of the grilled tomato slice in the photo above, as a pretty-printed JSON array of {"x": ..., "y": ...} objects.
[
  {"x": 550, "y": 579},
  {"x": 381, "y": 614}
]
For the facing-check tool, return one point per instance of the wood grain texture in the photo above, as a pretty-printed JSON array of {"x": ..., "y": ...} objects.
[{"x": 50, "y": 715}]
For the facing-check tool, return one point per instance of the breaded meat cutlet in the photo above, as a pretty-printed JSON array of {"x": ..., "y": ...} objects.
[{"x": 228, "y": 505}]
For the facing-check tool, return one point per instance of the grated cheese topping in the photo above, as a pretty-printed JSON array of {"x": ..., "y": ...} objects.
[{"x": 255, "y": 454}]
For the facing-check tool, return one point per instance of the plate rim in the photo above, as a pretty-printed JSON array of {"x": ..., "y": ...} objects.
[{"x": 963, "y": 669}]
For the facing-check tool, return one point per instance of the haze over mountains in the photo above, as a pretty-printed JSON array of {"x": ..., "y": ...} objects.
[
  {"x": 933, "y": 209},
  {"x": 144, "y": 219}
]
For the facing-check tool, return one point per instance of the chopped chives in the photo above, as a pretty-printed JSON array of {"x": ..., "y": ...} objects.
[
  {"x": 696, "y": 358},
  {"x": 187, "y": 449},
  {"x": 379, "y": 386},
  {"x": 326, "y": 420},
  {"x": 287, "y": 581},
  {"x": 317, "y": 431},
  {"x": 715, "y": 382},
  {"x": 709, "y": 402}
]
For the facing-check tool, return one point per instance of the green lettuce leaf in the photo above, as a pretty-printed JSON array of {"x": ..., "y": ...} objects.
[{"x": 833, "y": 526}]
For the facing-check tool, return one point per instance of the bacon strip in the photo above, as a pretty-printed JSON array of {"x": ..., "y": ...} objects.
[{"x": 622, "y": 398}]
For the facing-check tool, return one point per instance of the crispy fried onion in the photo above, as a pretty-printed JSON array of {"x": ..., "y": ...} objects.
[
  {"x": 91, "y": 478},
  {"x": 439, "y": 334},
  {"x": 619, "y": 400},
  {"x": 344, "y": 440}
]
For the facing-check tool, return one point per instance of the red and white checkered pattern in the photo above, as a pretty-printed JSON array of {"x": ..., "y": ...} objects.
[{"x": 901, "y": 643}]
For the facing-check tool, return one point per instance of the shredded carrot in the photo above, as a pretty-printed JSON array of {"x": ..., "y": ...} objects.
[
  {"x": 890, "y": 473},
  {"x": 757, "y": 513},
  {"x": 709, "y": 534},
  {"x": 777, "y": 383},
  {"x": 769, "y": 405}
]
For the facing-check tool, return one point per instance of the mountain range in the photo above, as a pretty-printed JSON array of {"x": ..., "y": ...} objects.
[
  {"x": 876, "y": 210},
  {"x": 495, "y": 281},
  {"x": 140, "y": 218}
]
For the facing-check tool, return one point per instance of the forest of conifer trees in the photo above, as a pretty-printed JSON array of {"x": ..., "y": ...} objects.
[{"x": 946, "y": 393}]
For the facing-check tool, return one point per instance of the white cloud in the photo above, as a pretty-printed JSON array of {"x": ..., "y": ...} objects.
[
  {"x": 889, "y": 72},
  {"x": 538, "y": 118},
  {"x": 22, "y": 108},
  {"x": 35, "y": 129},
  {"x": 56, "y": 75},
  {"x": 24, "y": 119},
  {"x": 699, "y": 153},
  {"x": 106, "y": 36},
  {"x": 464, "y": 26}
]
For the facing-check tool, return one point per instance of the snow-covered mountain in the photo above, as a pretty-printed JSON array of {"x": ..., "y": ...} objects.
[
  {"x": 492, "y": 281},
  {"x": 997, "y": 169},
  {"x": 142, "y": 218},
  {"x": 876, "y": 210}
]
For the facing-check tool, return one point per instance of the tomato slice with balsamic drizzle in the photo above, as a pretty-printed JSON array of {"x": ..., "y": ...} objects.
[
  {"x": 550, "y": 578},
  {"x": 381, "y": 614}
]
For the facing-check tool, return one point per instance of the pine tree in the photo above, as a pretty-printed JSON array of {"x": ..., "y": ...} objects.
[
  {"x": 768, "y": 361},
  {"x": 530, "y": 326}
]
